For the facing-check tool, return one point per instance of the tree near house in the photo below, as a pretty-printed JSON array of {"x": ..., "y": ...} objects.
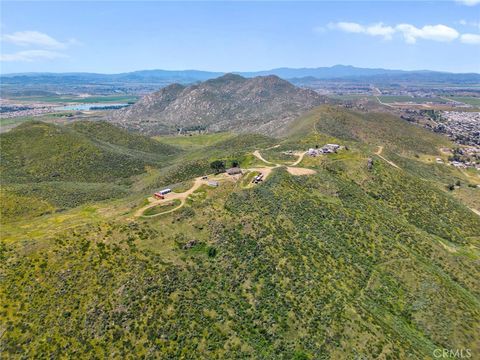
[{"x": 218, "y": 166}]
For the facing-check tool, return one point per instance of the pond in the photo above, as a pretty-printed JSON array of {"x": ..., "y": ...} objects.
[{"x": 90, "y": 106}]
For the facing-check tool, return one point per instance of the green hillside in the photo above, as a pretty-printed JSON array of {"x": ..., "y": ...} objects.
[
  {"x": 354, "y": 261},
  {"x": 37, "y": 151},
  {"x": 26, "y": 200},
  {"x": 371, "y": 128},
  {"x": 47, "y": 168},
  {"x": 107, "y": 133}
]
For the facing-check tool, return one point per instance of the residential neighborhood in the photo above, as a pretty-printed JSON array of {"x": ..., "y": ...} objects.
[{"x": 461, "y": 127}]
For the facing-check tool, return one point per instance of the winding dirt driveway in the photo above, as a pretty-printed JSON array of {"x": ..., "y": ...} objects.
[
  {"x": 300, "y": 157},
  {"x": 266, "y": 171},
  {"x": 171, "y": 196},
  {"x": 259, "y": 156}
]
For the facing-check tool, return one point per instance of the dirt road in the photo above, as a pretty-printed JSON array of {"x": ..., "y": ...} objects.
[
  {"x": 300, "y": 158},
  {"x": 379, "y": 154},
  {"x": 475, "y": 211},
  {"x": 171, "y": 196},
  {"x": 382, "y": 103},
  {"x": 266, "y": 171},
  {"x": 259, "y": 156}
]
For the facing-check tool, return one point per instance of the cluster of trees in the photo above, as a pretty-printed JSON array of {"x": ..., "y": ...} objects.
[{"x": 219, "y": 166}]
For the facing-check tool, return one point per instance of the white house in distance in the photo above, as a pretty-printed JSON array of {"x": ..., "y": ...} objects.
[{"x": 326, "y": 149}]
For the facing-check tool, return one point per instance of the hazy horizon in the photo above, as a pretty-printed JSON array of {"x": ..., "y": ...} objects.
[{"x": 230, "y": 71}]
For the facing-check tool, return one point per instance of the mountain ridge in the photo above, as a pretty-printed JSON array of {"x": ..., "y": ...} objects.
[
  {"x": 326, "y": 72},
  {"x": 230, "y": 102}
]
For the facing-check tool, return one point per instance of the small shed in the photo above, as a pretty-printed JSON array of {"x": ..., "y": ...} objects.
[
  {"x": 213, "y": 183},
  {"x": 234, "y": 171}
]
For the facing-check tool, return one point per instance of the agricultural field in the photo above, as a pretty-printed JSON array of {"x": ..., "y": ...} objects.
[
  {"x": 78, "y": 99},
  {"x": 348, "y": 97},
  {"x": 417, "y": 100},
  {"x": 62, "y": 117},
  {"x": 474, "y": 101}
]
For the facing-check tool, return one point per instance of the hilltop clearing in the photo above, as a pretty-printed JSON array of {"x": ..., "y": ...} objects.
[{"x": 205, "y": 180}]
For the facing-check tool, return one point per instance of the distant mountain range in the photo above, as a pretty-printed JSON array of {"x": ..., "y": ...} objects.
[
  {"x": 263, "y": 104},
  {"x": 339, "y": 72}
]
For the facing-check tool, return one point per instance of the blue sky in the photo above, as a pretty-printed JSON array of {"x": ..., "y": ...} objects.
[{"x": 111, "y": 37}]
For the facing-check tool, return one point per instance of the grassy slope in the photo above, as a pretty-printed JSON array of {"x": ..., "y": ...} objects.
[
  {"x": 91, "y": 152},
  {"x": 65, "y": 166},
  {"x": 314, "y": 267},
  {"x": 369, "y": 128},
  {"x": 17, "y": 199},
  {"x": 347, "y": 263},
  {"x": 44, "y": 152},
  {"x": 194, "y": 142},
  {"x": 107, "y": 133}
]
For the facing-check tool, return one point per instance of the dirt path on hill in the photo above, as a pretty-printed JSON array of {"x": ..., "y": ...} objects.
[
  {"x": 259, "y": 156},
  {"x": 475, "y": 211},
  {"x": 171, "y": 196},
  {"x": 300, "y": 155},
  {"x": 273, "y": 147},
  {"x": 379, "y": 154},
  {"x": 300, "y": 158}
]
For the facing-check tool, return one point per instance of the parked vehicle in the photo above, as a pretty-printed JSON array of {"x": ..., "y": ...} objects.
[{"x": 157, "y": 195}]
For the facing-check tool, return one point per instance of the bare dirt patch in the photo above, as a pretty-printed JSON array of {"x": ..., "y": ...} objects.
[{"x": 297, "y": 171}]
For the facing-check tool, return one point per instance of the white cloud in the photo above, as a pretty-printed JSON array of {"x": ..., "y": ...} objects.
[
  {"x": 468, "y": 2},
  {"x": 44, "y": 46},
  {"x": 36, "y": 38},
  {"x": 410, "y": 33},
  {"x": 374, "y": 30},
  {"x": 350, "y": 27},
  {"x": 32, "y": 55},
  {"x": 470, "y": 38},
  {"x": 428, "y": 32},
  {"x": 381, "y": 30}
]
